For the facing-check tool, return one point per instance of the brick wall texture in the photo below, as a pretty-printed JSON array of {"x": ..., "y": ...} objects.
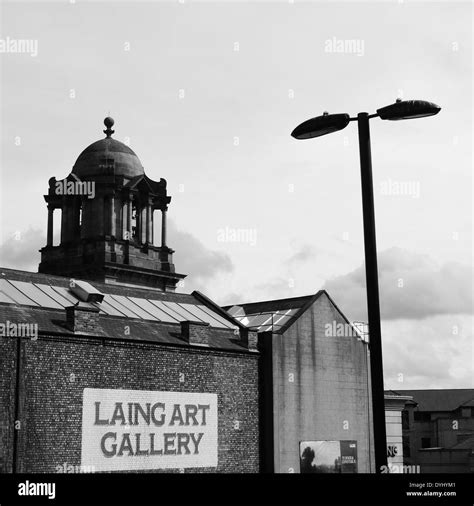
[
  {"x": 56, "y": 369},
  {"x": 194, "y": 332}
]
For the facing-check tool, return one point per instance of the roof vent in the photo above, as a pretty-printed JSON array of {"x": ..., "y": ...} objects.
[
  {"x": 83, "y": 318},
  {"x": 85, "y": 291}
]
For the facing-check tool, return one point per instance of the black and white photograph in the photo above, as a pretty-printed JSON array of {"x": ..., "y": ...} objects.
[{"x": 236, "y": 252}]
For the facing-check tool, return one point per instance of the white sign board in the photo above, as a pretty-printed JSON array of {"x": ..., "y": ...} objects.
[{"x": 146, "y": 429}]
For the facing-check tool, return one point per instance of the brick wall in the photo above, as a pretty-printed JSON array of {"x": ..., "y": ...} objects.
[
  {"x": 83, "y": 317},
  {"x": 195, "y": 332},
  {"x": 57, "y": 369},
  {"x": 7, "y": 401}
]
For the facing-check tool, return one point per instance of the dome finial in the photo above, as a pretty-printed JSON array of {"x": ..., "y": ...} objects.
[{"x": 109, "y": 123}]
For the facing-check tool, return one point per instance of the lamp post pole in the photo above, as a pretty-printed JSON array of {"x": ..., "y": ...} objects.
[
  {"x": 329, "y": 123},
  {"x": 373, "y": 308}
]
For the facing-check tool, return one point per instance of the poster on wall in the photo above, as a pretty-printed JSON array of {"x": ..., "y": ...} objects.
[
  {"x": 142, "y": 429},
  {"x": 328, "y": 456}
]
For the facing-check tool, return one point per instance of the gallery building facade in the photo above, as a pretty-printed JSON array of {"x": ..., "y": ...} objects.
[{"x": 105, "y": 367}]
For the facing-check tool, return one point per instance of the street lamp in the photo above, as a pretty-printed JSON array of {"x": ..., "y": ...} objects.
[{"x": 328, "y": 123}]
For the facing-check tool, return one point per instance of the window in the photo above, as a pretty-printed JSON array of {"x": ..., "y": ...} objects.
[{"x": 426, "y": 442}]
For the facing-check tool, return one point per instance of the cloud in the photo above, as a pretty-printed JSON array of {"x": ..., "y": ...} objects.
[
  {"x": 412, "y": 286},
  {"x": 274, "y": 288},
  {"x": 277, "y": 288},
  {"x": 305, "y": 253},
  {"x": 430, "y": 353},
  {"x": 193, "y": 258},
  {"x": 231, "y": 299},
  {"x": 20, "y": 250}
]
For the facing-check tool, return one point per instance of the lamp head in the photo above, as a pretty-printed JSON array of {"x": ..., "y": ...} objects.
[
  {"x": 321, "y": 125},
  {"x": 408, "y": 109}
]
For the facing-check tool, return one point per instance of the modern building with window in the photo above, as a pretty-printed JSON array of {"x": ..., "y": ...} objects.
[{"x": 438, "y": 430}]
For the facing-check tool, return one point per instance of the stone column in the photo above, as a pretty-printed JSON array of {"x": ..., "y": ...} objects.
[
  {"x": 150, "y": 223},
  {"x": 64, "y": 221},
  {"x": 163, "y": 227},
  {"x": 83, "y": 217},
  {"x": 99, "y": 215},
  {"x": 75, "y": 217},
  {"x": 127, "y": 219},
  {"x": 143, "y": 224},
  {"x": 49, "y": 240},
  {"x": 111, "y": 225}
]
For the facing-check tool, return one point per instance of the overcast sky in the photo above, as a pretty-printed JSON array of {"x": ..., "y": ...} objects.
[{"x": 207, "y": 94}]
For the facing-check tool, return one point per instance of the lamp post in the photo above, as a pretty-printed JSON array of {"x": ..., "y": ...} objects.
[{"x": 328, "y": 123}]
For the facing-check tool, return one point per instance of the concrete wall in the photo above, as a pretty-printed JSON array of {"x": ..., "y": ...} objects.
[
  {"x": 57, "y": 369},
  {"x": 320, "y": 388}
]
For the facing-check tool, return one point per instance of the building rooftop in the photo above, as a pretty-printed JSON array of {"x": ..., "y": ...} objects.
[
  {"x": 95, "y": 158},
  {"x": 99, "y": 156},
  {"x": 150, "y": 315},
  {"x": 440, "y": 399},
  {"x": 279, "y": 314},
  {"x": 271, "y": 315}
]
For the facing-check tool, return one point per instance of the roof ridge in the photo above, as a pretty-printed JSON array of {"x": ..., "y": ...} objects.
[{"x": 284, "y": 299}]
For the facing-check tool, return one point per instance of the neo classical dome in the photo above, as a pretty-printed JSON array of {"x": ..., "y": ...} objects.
[{"x": 98, "y": 158}]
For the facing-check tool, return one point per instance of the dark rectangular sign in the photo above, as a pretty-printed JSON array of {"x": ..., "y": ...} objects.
[{"x": 328, "y": 456}]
